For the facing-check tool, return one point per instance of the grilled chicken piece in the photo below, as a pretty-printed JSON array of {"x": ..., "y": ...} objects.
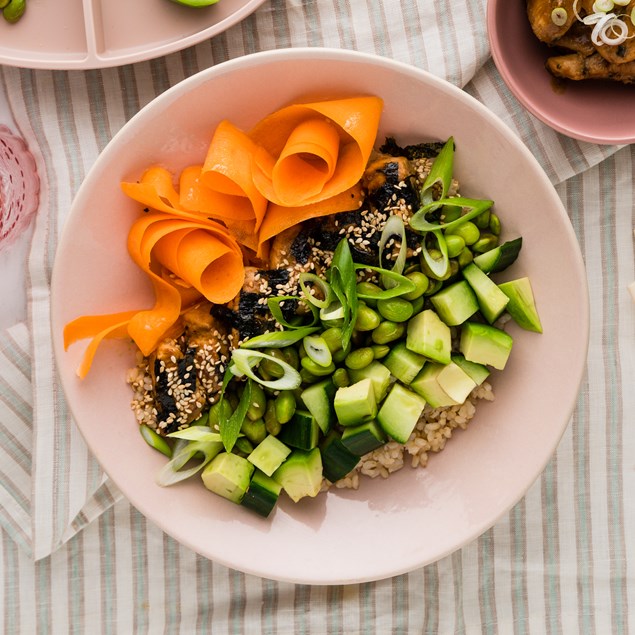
[
  {"x": 388, "y": 179},
  {"x": 283, "y": 248},
  {"x": 577, "y": 67},
  {"x": 578, "y": 39},
  {"x": 539, "y": 14}
]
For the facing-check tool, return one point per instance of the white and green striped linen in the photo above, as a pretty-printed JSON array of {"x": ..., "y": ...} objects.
[{"x": 77, "y": 558}]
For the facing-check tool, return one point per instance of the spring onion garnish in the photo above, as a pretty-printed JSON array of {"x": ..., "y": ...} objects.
[
  {"x": 196, "y": 433},
  {"x": 155, "y": 440},
  {"x": 608, "y": 28},
  {"x": 278, "y": 339},
  {"x": 343, "y": 280},
  {"x": 244, "y": 361},
  {"x": 622, "y": 3},
  {"x": 183, "y": 452},
  {"x": 559, "y": 16},
  {"x": 334, "y": 311},
  {"x": 400, "y": 285},
  {"x": 474, "y": 207},
  {"x": 230, "y": 428},
  {"x": 440, "y": 173},
  {"x": 438, "y": 266},
  {"x": 308, "y": 282},
  {"x": 275, "y": 307},
  {"x": 317, "y": 349},
  {"x": 603, "y": 6},
  {"x": 394, "y": 226}
]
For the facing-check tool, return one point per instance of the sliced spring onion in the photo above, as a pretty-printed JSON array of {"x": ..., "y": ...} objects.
[
  {"x": 196, "y": 433},
  {"x": 309, "y": 280},
  {"x": 343, "y": 280},
  {"x": 155, "y": 440},
  {"x": 335, "y": 311},
  {"x": 172, "y": 471},
  {"x": 400, "y": 285},
  {"x": 559, "y": 16},
  {"x": 317, "y": 349},
  {"x": 474, "y": 207},
  {"x": 439, "y": 267},
  {"x": 278, "y": 339},
  {"x": 622, "y": 3},
  {"x": 599, "y": 33},
  {"x": 603, "y": 6},
  {"x": 245, "y": 360},
  {"x": 614, "y": 32},
  {"x": 440, "y": 173},
  {"x": 230, "y": 428},
  {"x": 276, "y": 310},
  {"x": 394, "y": 226}
]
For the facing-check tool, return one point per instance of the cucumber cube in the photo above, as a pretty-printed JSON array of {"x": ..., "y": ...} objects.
[
  {"x": 456, "y": 303},
  {"x": 429, "y": 336},
  {"x": 403, "y": 363},
  {"x": 364, "y": 438},
  {"x": 477, "y": 372},
  {"x": 301, "y": 474},
  {"x": 269, "y": 455},
  {"x": 302, "y": 432},
  {"x": 522, "y": 306},
  {"x": 377, "y": 373},
  {"x": 262, "y": 494},
  {"x": 318, "y": 400},
  {"x": 455, "y": 382},
  {"x": 355, "y": 403},
  {"x": 427, "y": 385},
  {"x": 337, "y": 459},
  {"x": 228, "y": 475},
  {"x": 491, "y": 300},
  {"x": 400, "y": 412},
  {"x": 485, "y": 344}
]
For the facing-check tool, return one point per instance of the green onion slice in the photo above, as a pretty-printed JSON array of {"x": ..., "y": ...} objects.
[
  {"x": 441, "y": 172},
  {"x": 276, "y": 310},
  {"x": 307, "y": 280},
  {"x": 279, "y": 339},
  {"x": 245, "y": 360},
  {"x": 342, "y": 277},
  {"x": 394, "y": 227},
  {"x": 196, "y": 433},
  {"x": 155, "y": 440},
  {"x": 335, "y": 311},
  {"x": 183, "y": 452},
  {"x": 230, "y": 429},
  {"x": 439, "y": 267},
  {"x": 559, "y": 16},
  {"x": 474, "y": 207},
  {"x": 317, "y": 349},
  {"x": 400, "y": 284}
]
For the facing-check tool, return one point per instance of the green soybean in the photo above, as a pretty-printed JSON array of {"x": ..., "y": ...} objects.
[
  {"x": 285, "y": 405},
  {"x": 465, "y": 258},
  {"x": 380, "y": 350},
  {"x": 341, "y": 378},
  {"x": 368, "y": 288},
  {"x": 359, "y": 358},
  {"x": 468, "y": 231},
  {"x": 221, "y": 411},
  {"x": 388, "y": 332},
  {"x": 395, "y": 309},
  {"x": 494, "y": 224},
  {"x": 367, "y": 319},
  {"x": 485, "y": 243},
  {"x": 155, "y": 440},
  {"x": 340, "y": 356},
  {"x": 272, "y": 425},
  {"x": 417, "y": 305},
  {"x": 258, "y": 402},
  {"x": 315, "y": 369},
  {"x": 333, "y": 338},
  {"x": 435, "y": 285},
  {"x": 14, "y": 10},
  {"x": 421, "y": 283},
  {"x": 455, "y": 245},
  {"x": 482, "y": 220},
  {"x": 255, "y": 431}
]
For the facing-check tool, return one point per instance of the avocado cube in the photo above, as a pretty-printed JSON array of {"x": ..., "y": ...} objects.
[
  {"x": 228, "y": 475},
  {"x": 477, "y": 372},
  {"x": 301, "y": 474},
  {"x": 269, "y": 454},
  {"x": 427, "y": 385},
  {"x": 522, "y": 306},
  {"x": 491, "y": 300},
  {"x": 403, "y": 363},
  {"x": 455, "y": 382},
  {"x": 355, "y": 403},
  {"x": 429, "y": 336},
  {"x": 318, "y": 399},
  {"x": 456, "y": 303},
  {"x": 485, "y": 344},
  {"x": 400, "y": 412},
  {"x": 377, "y": 373}
]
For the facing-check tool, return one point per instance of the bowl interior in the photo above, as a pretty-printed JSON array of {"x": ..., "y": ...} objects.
[
  {"x": 598, "y": 111},
  {"x": 416, "y": 516}
]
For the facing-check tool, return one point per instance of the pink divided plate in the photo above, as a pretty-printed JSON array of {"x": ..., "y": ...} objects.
[
  {"x": 593, "y": 110},
  {"x": 83, "y": 34}
]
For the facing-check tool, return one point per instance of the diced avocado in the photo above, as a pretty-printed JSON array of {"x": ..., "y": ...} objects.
[
  {"x": 429, "y": 336},
  {"x": 302, "y": 432},
  {"x": 485, "y": 344},
  {"x": 301, "y": 474},
  {"x": 355, "y": 403},
  {"x": 337, "y": 459},
  {"x": 500, "y": 257},
  {"x": 491, "y": 300},
  {"x": 522, "y": 306},
  {"x": 269, "y": 454},
  {"x": 477, "y": 372},
  {"x": 318, "y": 400},
  {"x": 364, "y": 438},
  {"x": 403, "y": 363},
  {"x": 456, "y": 303},
  {"x": 228, "y": 475},
  {"x": 427, "y": 385},
  {"x": 262, "y": 494},
  {"x": 455, "y": 382},
  {"x": 400, "y": 412},
  {"x": 377, "y": 373}
]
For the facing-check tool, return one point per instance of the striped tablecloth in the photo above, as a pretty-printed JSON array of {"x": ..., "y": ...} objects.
[{"x": 77, "y": 558}]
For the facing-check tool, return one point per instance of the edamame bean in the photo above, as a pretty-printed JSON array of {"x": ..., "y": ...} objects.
[
  {"x": 367, "y": 319},
  {"x": 455, "y": 245},
  {"x": 14, "y": 10},
  {"x": 494, "y": 224},
  {"x": 485, "y": 243},
  {"x": 315, "y": 369},
  {"x": 203, "y": 419},
  {"x": 307, "y": 377},
  {"x": 341, "y": 378},
  {"x": 465, "y": 258},
  {"x": 395, "y": 309},
  {"x": 285, "y": 405},
  {"x": 435, "y": 285},
  {"x": 340, "y": 356},
  {"x": 271, "y": 368},
  {"x": 388, "y": 332},
  {"x": 369, "y": 288},
  {"x": 417, "y": 305},
  {"x": 359, "y": 358},
  {"x": 243, "y": 446},
  {"x": 272, "y": 425},
  {"x": 421, "y": 283},
  {"x": 333, "y": 338},
  {"x": 482, "y": 220},
  {"x": 255, "y": 431},
  {"x": 468, "y": 231},
  {"x": 380, "y": 350},
  {"x": 4, "y": 3},
  {"x": 258, "y": 402},
  {"x": 291, "y": 356},
  {"x": 155, "y": 440},
  {"x": 220, "y": 411}
]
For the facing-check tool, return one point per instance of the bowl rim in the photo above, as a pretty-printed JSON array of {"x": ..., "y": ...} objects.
[{"x": 330, "y": 54}]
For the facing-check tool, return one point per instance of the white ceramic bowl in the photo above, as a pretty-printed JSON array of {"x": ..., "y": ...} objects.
[{"x": 388, "y": 526}]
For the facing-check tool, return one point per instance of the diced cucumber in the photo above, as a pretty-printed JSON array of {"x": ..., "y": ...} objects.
[
  {"x": 364, "y": 438},
  {"x": 337, "y": 459},
  {"x": 478, "y": 372},
  {"x": 269, "y": 454},
  {"x": 400, "y": 412},
  {"x": 500, "y": 257},
  {"x": 262, "y": 494},
  {"x": 355, "y": 403},
  {"x": 522, "y": 306},
  {"x": 455, "y": 382},
  {"x": 301, "y": 474},
  {"x": 429, "y": 336},
  {"x": 491, "y": 300},
  {"x": 455, "y": 303},
  {"x": 318, "y": 400},
  {"x": 377, "y": 373},
  {"x": 485, "y": 344},
  {"x": 228, "y": 475},
  {"x": 302, "y": 432},
  {"x": 426, "y": 384},
  {"x": 403, "y": 363}
]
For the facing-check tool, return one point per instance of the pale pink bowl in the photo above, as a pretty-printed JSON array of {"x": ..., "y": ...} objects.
[
  {"x": 416, "y": 516},
  {"x": 595, "y": 111}
]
